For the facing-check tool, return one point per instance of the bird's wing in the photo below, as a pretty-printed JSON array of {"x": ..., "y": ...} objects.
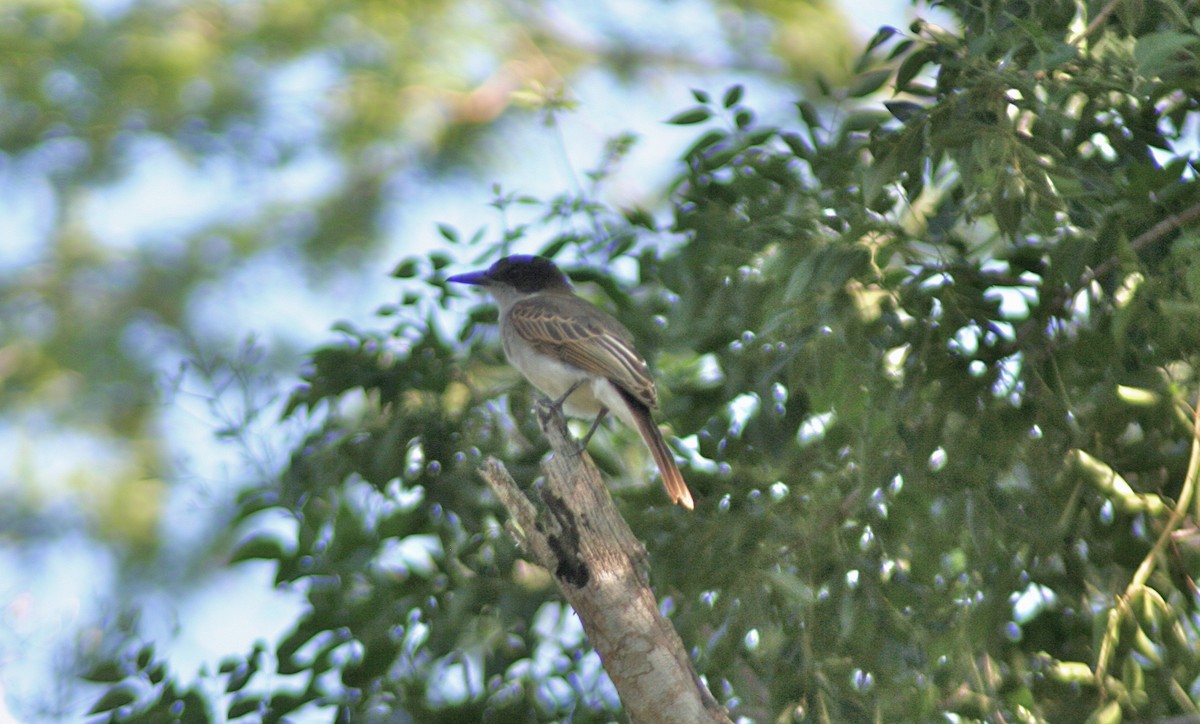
[{"x": 577, "y": 333}]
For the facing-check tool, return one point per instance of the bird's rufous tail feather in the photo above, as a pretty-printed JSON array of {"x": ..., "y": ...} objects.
[{"x": 677, "y": 489}]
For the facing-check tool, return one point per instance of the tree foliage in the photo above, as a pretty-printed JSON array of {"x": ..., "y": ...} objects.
[{"x": 931, "y": 369}]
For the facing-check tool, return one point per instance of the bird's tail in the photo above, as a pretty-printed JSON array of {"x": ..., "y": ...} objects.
[{"x": 677, "y": 489}]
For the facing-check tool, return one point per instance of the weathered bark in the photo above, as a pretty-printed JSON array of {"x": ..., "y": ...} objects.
[{"x": 602, "y": 569}]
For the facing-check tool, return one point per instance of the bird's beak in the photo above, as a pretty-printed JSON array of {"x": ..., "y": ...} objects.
[{"x": 479, "y": 278}]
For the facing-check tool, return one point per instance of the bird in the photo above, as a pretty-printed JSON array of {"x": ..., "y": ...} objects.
[{"x": 578, "y": 355}]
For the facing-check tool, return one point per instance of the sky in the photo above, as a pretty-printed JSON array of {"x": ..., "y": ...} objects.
[{"x": 52, "y": 594}]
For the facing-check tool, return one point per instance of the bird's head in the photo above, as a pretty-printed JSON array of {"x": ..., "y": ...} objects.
[{"x": 521, "y": 273}]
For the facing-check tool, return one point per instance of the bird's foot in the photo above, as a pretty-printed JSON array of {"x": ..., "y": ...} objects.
[
  {"x": 592, "y": 430},
  {"x": 545, "y": 405},
  {"x": 570, "y": 391}
]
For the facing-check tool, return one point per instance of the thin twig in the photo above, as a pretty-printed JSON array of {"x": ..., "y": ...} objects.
[
  {"x": 1058, "y": 304},
  {"x": 1154, "y": 233},
  {"x": 1097, "y": 21}
]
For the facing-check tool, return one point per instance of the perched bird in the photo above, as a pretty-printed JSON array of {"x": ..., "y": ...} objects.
[{"x": 578, "y": 355}]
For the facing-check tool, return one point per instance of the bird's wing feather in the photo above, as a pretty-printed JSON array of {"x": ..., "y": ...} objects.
[{"x": 573, "y": 331}]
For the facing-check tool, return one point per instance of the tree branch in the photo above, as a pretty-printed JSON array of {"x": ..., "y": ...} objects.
[
  {"x": 1057, "y": 305},
  {"x": 573, "y": 530},
  {"x": 1151, "y": 235},
  {"x": 1097, "y": 22}
]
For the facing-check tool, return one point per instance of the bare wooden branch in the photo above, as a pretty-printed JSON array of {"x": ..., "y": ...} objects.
[{"x": 575, "y": 531}]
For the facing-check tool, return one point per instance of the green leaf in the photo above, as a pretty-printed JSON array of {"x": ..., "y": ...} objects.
[
  {"x": 701, "y": 96},
  {"x": 118, "y": 696},
  {"x": 878, "y": 175},
  {"x": 760, "y": 136},
  {"x": 743, "y": 118},
  {"x": 1109, "y": 713},
  {"x": 638, "y": 216},
  {"x": 449, "y": 233},
  {"x": 1008, "y": 208},
  {"x": 881, "y": 36},
  {"x": 286, "y": 650},
  {"x": 378, "y": 657},
  {"x": 901, "y": 48},
  {"x": 718, "y": 159},
  {"x": 157, "y": 673},
  {"x": 195, "y": 708},
  {"x": 104, "y": 672},
  {"x": 913, "y": 64},
  {"x": 732, "y": 96},
  {"x": 622, "y": 245},
  {"x": 823, "y": 86},
  {"x": 905, "y": 111},
  {"x": 1130, "y": 13},
  {"x": 406, "y": 269},
  {"x": 286, "y": 702},
  {"x": 263, "y": 545},
  {"x": 864, "y": 121},
  {"x": 796, "y": 143},
  {"x": 245, "y": 705},
  {"x": 1157, "y": 52},
  {"x": 808, "y": 113},
  {"x": 706, "y": 141},
  {"x": 690, "y": 117},
  {"x": 240, "y": 677},
  {"x": 399, "y": 523},
  {"x": 556, "y": 245},
  {"x": 869, "y": 82}
]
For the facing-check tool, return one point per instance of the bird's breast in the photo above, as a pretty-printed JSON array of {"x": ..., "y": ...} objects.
[{"x": 553, "y": 377}]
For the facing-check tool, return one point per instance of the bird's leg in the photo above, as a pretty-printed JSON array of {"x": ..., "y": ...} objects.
[
  {"x": 559, "y": 402},
  {"x": 592, "y": 430},
  {"x": 545, "y": 404},
  {"x": 557, "y": 405}
]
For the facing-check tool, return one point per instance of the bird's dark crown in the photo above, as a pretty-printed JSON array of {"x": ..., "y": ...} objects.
[{"x": 528, "y": 274}]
